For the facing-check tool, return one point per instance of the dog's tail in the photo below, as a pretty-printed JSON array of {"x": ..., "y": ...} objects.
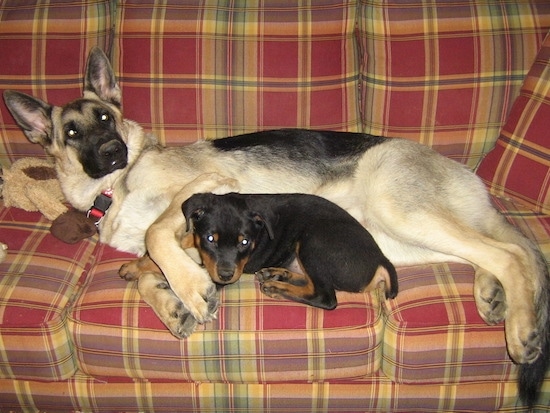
[
  {"x": 531, "y": 376},
  {"x": 391, "y": 281}
]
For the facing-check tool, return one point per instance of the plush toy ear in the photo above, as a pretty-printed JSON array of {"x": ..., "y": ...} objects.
[
  {"x": 32, "y": 115},
  {"x": 73, "y": 226},
  {"x": 100, "y": 78}
]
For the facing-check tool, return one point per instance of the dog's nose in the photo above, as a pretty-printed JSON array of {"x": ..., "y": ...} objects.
[
  {"x": 226, "y": 277},
  {"x": 225, "y": 274},
  {"x": 112, "y": 150}
]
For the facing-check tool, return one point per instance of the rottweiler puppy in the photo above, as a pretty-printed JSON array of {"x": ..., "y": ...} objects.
[{"x": 301, "y": 247}]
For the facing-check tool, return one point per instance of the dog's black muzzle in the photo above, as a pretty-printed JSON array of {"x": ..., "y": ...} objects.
[
  {"x": 114, "y": 153},
  {"x": 105, "y": 157}
]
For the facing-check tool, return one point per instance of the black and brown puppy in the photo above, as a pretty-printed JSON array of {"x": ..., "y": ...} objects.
[{"x": 301, "y": 247}]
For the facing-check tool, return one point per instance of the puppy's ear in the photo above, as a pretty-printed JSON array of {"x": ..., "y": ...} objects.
[
  {"x": 263, "y": 221},
  {"x": 100, "y": 78},
  {"x": 192, "y": 211},
  {"x": 32, "y": 115}
]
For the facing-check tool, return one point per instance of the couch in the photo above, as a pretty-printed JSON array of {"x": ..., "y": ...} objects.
[{"x": 470, "y": 79}]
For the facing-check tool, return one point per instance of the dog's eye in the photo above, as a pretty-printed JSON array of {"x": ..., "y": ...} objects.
[
  {"x": 244, "y": 242},
  {"x": 210, "y": 238},
  {"x": 71, "y": 133},
  {"x": 104, "y": 117}
]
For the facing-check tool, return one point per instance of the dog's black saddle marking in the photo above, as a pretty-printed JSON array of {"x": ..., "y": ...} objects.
[{"x": 330, "y": 154}]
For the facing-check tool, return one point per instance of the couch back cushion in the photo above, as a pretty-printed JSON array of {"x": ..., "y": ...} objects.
[
  {"x": 446, "y": 73},
  {"x": 519, "y": 165},
  {"x": 44, "y": 45},
  {"x": 207, "y": 69}
]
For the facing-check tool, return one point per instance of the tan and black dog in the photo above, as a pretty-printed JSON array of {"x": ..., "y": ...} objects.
[{"x": 301, "y": 247}]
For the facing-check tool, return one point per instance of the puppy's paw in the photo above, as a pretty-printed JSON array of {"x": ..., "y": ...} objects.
[
  {"x": 272, "y": 274},
  {"x": 134, "y": 269},
  {"x": 129, "y": 271},
  {"x": 272, "y": 289}
]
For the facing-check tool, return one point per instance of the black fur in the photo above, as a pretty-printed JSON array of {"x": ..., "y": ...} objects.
[
  {"x": 333, "y": 249},
  {"x": 330, "y": 154}
]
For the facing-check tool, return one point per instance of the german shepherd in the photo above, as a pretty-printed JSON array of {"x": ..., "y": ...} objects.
[
  {"x": 419, "y": 206},
  {"x": 301, "y": 247}
]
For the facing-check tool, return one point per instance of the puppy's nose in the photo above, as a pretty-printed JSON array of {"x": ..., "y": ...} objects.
[{"x": 225, "y": 274}]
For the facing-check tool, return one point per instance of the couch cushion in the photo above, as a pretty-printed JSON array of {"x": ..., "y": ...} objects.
[
  {"x": 38, "y": 281},
  {"x": 207, "y": 69},
  {"x": 519, "y": 165},
  {"x": 433, "y": 332},
  {"x": 44, "y": 45},
  {"x": 254, "y": 339},
  {"x": 446, "y": 73}
]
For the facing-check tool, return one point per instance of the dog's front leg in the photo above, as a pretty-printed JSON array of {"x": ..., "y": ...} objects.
[{"x": 189, "y": 282}]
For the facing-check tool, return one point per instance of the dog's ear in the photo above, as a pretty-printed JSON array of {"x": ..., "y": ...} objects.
[
  {"x": 263, "y": 221},
  {"x": 193, "y": 211},
  {"x": 32, "y": 115},
  {"x": 100, "y": 78}
]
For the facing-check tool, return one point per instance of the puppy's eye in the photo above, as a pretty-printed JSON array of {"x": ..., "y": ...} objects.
[
  {"x": 210, "y": 238},
  {"x": 71, "y": 133},
  {"x": 104, "y": 117},
  {"x": 245, "y": 242}
]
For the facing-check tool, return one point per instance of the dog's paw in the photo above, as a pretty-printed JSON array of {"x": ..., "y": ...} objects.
[
  {"x": 272, "y": 274},
  {"x": 490, "y": 298},
  {"x": 180, "y": 322},
  {"x": 204, "y": 308},
  {"x": 272, "y": 289},
  {"x": 523, "y": 340},
  {"x": 156, "y": 292},
  {"x": 129, "y": 271},
  {"x": 216, "y": 183}
]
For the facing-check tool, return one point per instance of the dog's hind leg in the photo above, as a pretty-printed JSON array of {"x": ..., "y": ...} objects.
[{"x": 282, "y": 283}]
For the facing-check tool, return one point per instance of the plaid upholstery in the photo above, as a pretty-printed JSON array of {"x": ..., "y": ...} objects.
[
  {"x": 374, "y": 394},
  {"x": 519, "y": 166},
  {"x": 44, "y": 45},
  {"x": 36, "y": 286},
  {"x": 77, "y": 338},
  {"x": 446, "y": 73},
  {"x": 254, "y": 339},
  {"x": 453, "y": 344},
  {"x": 205, "y": 70}
]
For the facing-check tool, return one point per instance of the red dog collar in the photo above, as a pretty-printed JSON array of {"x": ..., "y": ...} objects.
[{"x": 101, "y": 205}]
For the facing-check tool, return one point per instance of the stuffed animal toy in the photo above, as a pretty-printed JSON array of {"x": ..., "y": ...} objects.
[
  {"x": 31, "y": 184},
  {"x": 3, "y": 251}
]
